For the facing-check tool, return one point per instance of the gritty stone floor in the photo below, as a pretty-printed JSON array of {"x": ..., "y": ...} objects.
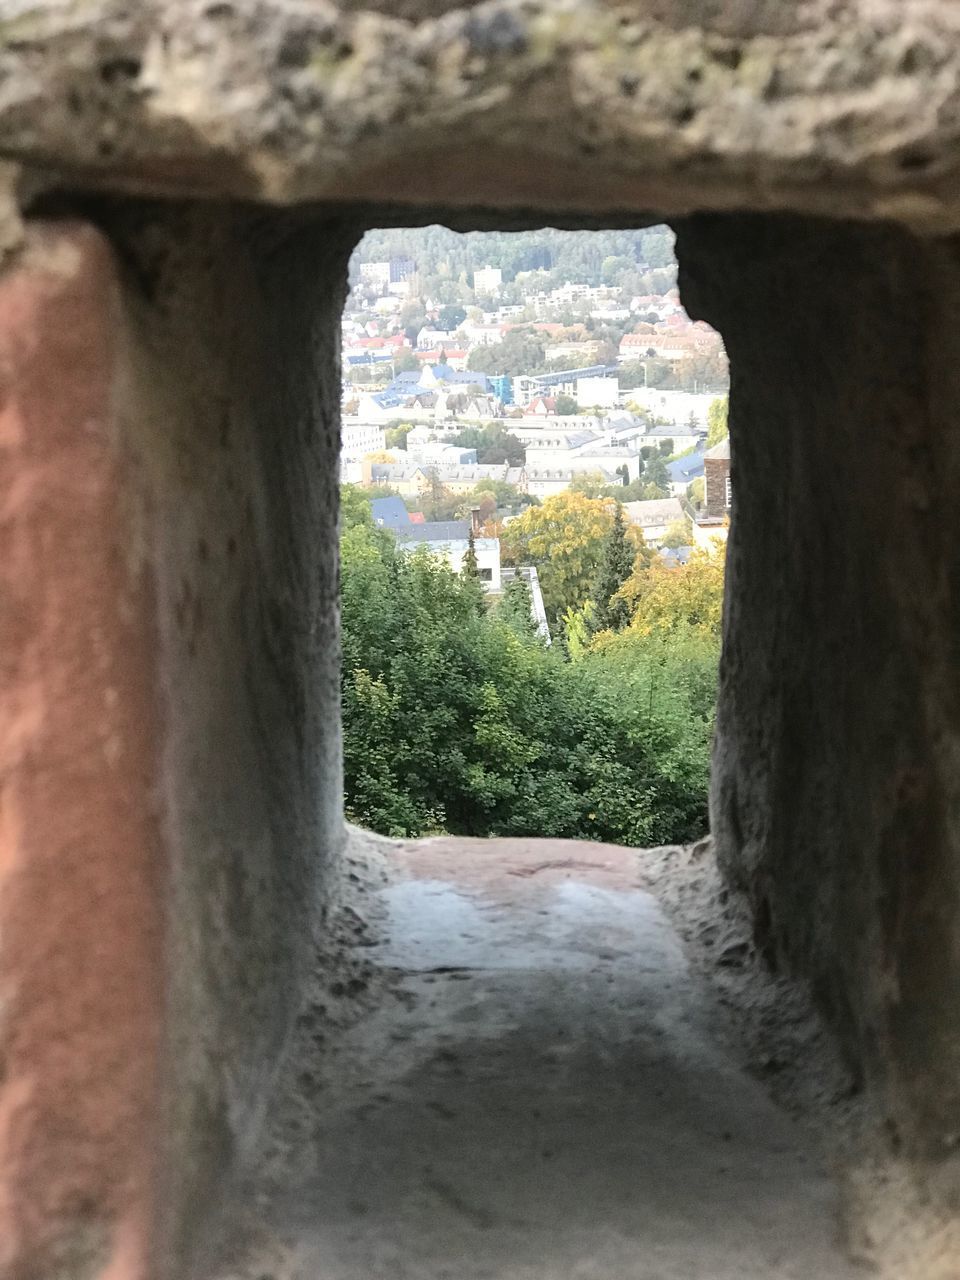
[{"x": 534, "y": 1090}]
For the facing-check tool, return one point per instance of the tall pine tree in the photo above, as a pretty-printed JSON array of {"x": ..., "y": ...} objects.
[{"x": 615, "y": 568}]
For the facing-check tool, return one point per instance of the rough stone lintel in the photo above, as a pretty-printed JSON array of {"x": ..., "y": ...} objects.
[{"x": 845, "y": 109}]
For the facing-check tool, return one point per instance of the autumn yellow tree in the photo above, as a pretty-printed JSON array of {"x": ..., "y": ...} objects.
[
  {"x": 717, "y": 421},
  {"x": 665, "y": 598},
  {"x": 564, "y": 538}
]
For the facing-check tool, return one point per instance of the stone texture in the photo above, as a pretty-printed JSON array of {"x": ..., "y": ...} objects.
[
  {"x": 171, "y": 787},
  {"x": 848, "y": 109},
  {"x": 81, "y": 872},
  {"x": 836, "y": 782},
  {"x": 230, "y": 405}
]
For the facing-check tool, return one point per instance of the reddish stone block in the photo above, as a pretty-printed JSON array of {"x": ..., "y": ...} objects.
[{"x": 81, "y": 869}]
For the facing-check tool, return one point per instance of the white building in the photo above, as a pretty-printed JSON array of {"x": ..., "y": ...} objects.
[
  {"x": 487, "y": 280},
  {"x": 654, "y": 517},
  {"x": 451, "y": 540},
  {"x": 674, "y": 406},
  {"x": 604, "y": 392},
  {"x": 438, "y": 454},
  {"x": 428, "y": 338},
  {"x": 375, "y": 273},
  {"x": 709, "y": 532},
  {"x": 358, "y": 438},
  {"x": 544, "y": 482},
  {"x": 482, "y": 335}
]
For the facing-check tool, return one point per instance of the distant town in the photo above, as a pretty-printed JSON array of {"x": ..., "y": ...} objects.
[
  {"x": 525, "y": 366},
  {"x": 535, "y": 497}
]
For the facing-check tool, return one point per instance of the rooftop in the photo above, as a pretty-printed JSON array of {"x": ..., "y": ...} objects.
[
  {"x": 435, "y": 531},
  {"x": 721, "y": 450}
]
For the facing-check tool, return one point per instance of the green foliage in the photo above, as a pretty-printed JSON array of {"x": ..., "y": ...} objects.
[
  {"x": 521, "y": 351},
  {"x": 493, "y": 444},
  {"x": 515, "y": 607},
  {"x": 458, "y": 719},
  {"x": 405, "y": 362},
  {"x": 451, "y": 317},
  {"x": 656, "y": 478},
  {"x": 354, "y": 507},
  {"x": 396, "y": 437},
  {"x": 610, "y": 610},
  {"x": 679, "y": 534},
  {"x": 566, "y": 406},
  {"x": 507, "y": 497},
  {"x": 470, "y": 567},
  {"x": 717, "y": 421},
  {"x": 665, "y": 600},
  {"x": 445, "y": 258},
  {"x": 564, "y": 538}
]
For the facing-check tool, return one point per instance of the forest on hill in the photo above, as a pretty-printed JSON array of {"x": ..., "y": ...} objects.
[{"x": 628, "y": 259}]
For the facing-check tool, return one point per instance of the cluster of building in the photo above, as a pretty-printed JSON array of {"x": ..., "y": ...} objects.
[
  {"x": 574, "y": 418},
  {"x": 451, "y": 540},
  {"x": 556, "y": 452}
]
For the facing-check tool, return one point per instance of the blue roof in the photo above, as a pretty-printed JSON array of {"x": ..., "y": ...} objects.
[
  {"x": 390, "y": 513},
  {"x": 468, "y": 377},
  {"x": 388, "y": 399},
  {"x": 369, "y": 357},
  {"x": 405, "y": 389},
  {"x": 686, "y": 469}
]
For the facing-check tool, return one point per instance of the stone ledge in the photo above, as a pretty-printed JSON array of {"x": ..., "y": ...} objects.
[{"x": 579, "y": 105}]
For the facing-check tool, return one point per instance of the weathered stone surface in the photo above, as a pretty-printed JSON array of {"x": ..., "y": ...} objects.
[
  {"x": 836, "y": 781},
  {"x": 849, "y": 109},
  {"x": 169, "y": 757},
  {"x": 81, "y": 870},
  {"x": 230, "y": 407}
]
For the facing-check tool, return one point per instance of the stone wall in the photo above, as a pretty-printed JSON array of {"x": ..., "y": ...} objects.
[
  {"x": 836, "y": 784},
  {"x": 168, "y": 389},
  {"x": 171, "y": 753}
]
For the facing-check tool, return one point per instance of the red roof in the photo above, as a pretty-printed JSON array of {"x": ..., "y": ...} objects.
[{"x": 417, "y": 517}]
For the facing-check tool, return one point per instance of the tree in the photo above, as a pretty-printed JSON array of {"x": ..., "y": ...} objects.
[
  {"x": 470, "y": 567},
  {"x": 516, "y": 607},
  {"x": 493, "y": 444},
  {"x": 438, "y": 502},
  {"x": 717, "y": 429},
  {"x": 459, "y": 719},
  {"x": 679, "y": 533},
  {"x": 520, "y": 351},
  {"x": 668, "y": 599},
  {"x": 656, "y": 479},
  {"x": 450, "y": 317},
  {"x": 506, "y": 496},
  {"x": 405, "y": 362},
  {"x": 354, "y": 507},
  {"x": 564, "y": 538},
  {"x": 566, "y": 406},
  {"x": 615, "y": 267},
  {"x": 611, "y": 611},
  {"x": 396, "y": 437},
  {"x": 591, "y": 483},
  {"x": 697, "y": 492}
]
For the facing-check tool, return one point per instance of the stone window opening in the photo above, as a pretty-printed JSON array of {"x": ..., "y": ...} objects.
[{"x": 181, "y": 187}]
